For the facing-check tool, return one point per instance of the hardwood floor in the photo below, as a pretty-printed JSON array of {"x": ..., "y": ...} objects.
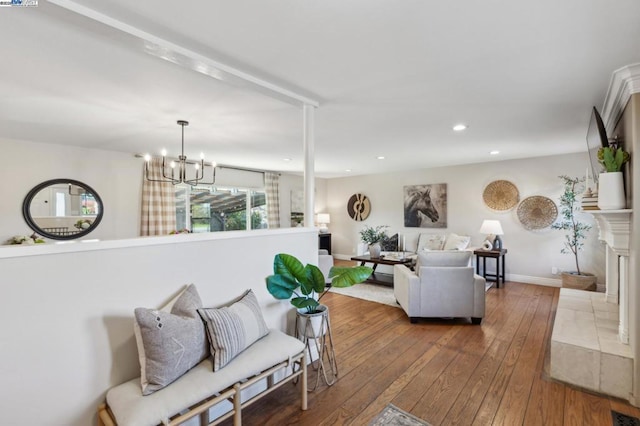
[{"x": 445, "y": 372}]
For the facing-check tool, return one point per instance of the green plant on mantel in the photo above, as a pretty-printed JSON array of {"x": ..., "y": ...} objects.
[
  {"x": 575, "y": 230},
  {"x": 612, "y": 157},
  {"x": 307, "y": 282}
]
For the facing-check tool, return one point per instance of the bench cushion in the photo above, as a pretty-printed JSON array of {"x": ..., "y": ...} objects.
[{"x": 131, "y": 408}]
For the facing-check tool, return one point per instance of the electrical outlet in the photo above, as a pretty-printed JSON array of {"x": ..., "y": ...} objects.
[{"x": 554, "y": 270}]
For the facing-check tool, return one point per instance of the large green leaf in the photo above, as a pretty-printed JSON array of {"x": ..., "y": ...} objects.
[
  {"x": 315, "y": 278},
  {"x": 304, "y": 302},
  {"x": 281, "y": 286},
  {"x": 346, "y": 276},
  {"x": 286, "y": 264}
]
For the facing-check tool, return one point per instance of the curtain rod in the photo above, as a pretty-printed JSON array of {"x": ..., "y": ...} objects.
[{"x": 222, "y": 166}]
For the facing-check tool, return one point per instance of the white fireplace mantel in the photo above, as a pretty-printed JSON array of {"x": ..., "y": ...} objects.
[{"x": 615, "y": 231}]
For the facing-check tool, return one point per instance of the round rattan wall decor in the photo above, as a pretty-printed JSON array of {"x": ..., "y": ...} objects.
[
  {"x": 537, "y": 212},
  {"x": 359, "y": 207},
  {"x": 501, "y": 195}
]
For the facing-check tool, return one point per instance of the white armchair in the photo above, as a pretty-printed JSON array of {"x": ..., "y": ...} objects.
[
  {"x": 325, "y": 263},
  {"x": 444, "y": 285}
]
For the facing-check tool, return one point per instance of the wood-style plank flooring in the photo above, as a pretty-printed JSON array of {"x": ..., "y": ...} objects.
[{"x": 447, "y": 372}]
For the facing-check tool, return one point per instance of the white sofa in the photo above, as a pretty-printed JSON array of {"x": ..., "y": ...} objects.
[{"x": 442, "y": 285}]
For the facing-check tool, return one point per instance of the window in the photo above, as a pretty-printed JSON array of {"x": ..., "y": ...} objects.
[{"x": 215, "y": 209}]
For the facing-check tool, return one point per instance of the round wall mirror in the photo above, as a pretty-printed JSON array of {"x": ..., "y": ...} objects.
[{"x": 62, "y": 209}]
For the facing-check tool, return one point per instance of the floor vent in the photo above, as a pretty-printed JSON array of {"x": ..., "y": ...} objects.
[{"x": 620, "y": 419}]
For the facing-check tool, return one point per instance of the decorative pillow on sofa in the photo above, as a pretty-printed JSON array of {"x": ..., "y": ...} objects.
[
  {"x": 169, "y": 343},
  {"x": 430, "y": 242},
  {"x": 443, "y": 258},
  {"x": 390, "y": 243},
  {"x": 456, "y": 242},
  {"x": 232, "y": 329}
]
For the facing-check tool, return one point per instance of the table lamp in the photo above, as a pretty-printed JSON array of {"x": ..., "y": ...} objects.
[
  {"x": 493, "y": 227},
  {"x": 323, "y": 219}
]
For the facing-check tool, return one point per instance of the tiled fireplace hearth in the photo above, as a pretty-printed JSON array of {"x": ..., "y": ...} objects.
[{"x": 589, "y": 344}]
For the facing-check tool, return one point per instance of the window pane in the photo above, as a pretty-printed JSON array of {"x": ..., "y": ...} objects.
[{"x": 258, "y": 210}]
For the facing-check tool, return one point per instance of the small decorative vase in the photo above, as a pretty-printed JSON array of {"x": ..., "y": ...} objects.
[
  {"x": 374, "y": 250},
  {"x": 611, "y": 191}
]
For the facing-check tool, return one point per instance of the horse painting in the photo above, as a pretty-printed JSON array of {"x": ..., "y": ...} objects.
[{"x": 425, "y": 206}]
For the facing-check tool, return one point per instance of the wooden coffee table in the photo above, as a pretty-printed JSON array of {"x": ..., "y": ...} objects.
[{"x": 379, "y": 277}]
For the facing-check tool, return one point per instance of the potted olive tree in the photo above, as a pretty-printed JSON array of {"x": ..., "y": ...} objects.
[
  {"x": 610, "y": 182},
  {"x": 373, "y": 237},
  {"x": 575, "y": 233}
]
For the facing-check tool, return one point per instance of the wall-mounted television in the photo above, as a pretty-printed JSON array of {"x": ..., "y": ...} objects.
[{"x": 596, "y": 139}]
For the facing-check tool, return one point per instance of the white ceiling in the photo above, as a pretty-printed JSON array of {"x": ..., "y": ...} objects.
[{"x": 392, "y": 78}]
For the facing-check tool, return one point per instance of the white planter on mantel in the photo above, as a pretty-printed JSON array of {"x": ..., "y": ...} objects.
[{"x": 611, "y": 191}]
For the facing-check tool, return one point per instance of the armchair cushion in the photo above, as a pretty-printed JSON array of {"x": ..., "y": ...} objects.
[{"x": 443, "y": 258}]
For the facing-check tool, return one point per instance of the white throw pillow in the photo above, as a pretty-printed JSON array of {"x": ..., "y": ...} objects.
[
  {"x": 457, "y": 242},
  {"x": 430, "y": 242}
]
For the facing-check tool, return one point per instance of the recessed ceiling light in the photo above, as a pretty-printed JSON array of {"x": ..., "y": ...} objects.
[
  {"x": 459, "y": 127},
  {"x": 381, "y": 157},
  {"x": 286, "y": 159},
  {"x": 494, "y": 152},
  {"x": 348, "y": 170}
]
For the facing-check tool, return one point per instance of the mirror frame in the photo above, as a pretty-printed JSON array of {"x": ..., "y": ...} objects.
[{"x": 26, "y": 209}]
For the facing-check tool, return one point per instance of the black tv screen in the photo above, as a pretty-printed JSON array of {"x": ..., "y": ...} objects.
[{"x": 596, "y": 139}]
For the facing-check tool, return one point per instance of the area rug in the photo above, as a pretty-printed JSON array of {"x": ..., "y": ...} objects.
[
  {"x": 393, "y": 416},
  {"x": 370, "y": 292}
]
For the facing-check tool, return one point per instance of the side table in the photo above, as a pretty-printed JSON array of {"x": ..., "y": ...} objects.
[{"x": 499, "y": 256}]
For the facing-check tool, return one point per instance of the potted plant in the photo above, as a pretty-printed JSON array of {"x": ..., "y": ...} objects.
[
  {"x": 610, "y": 183},
  {"x": 373, "y": 237},
  {"x": 305, "y": 286},
  {"x": 575, "y": 234}
]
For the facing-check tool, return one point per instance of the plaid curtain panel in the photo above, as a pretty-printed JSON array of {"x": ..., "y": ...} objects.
[
  {"x": 158, "y": 203},
  {"x": 271, "y": 187}
]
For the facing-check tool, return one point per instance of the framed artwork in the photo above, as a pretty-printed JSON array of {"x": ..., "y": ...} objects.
[{"x": 425, "y": 206}]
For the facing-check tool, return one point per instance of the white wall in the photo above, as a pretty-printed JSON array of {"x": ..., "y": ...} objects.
[
  {"x": 531, "y": 255},
  {"x": 67, "y": 316},
  {"x": 115, "y": 176}
]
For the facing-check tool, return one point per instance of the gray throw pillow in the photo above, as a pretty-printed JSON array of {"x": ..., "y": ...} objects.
[
  {"x": 170, "y": 343},
  {"x": 232, "y": 329}
]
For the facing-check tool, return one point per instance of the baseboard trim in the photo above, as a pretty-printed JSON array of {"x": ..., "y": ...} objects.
[{"x": 548, "y": 282}]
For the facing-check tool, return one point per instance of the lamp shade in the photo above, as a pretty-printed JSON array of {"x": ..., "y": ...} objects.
[
  {"x": 491, "y": 227},
  {"x": 324, "y": 218}
]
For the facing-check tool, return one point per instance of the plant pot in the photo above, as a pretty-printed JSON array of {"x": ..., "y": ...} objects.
[
  {"x": 374, "y": 250},
  {"x": 312, "y": 325},
  {"x": 584, "y": 281},
  {"x": 611, "y": 191}
]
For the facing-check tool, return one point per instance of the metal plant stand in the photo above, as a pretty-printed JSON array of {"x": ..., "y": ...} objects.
[{"x": 314, "y": 330}]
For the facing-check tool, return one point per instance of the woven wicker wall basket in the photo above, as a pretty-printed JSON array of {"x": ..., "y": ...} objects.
[
  {"x": 501, "y": 195},
  {"x": 537, "y": 212}
]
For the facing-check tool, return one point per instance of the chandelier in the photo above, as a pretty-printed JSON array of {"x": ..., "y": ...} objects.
[{"x": 181, "y": 166}]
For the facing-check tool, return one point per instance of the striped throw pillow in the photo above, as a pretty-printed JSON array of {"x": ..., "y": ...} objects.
[{"x": 233, "y": 328}]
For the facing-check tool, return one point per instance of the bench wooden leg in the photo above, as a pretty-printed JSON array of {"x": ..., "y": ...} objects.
[
  {"x": 104, "y": 418},
  {"x": 303, "y": 363},
  {"x": 237, "y": 406}
]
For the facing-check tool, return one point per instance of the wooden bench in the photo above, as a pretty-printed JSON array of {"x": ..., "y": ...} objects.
[{"x": 201, "y": 388}]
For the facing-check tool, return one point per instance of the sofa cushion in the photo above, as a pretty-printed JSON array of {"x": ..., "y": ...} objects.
[
  {"x": 456, "y": 242},
  {"x": 129, "y": 407},
  {"x": 169, "y": 343},
  {"x": 232, "y": 329},
  {"x": 443, "y": 258},
  {"x": 430, "y": 242}
]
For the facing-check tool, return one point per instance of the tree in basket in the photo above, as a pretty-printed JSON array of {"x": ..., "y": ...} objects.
[
  {"x": 610, "y": 183},
  {"x": 575, "y": 234},
  {"x": 373, "y": 237}
]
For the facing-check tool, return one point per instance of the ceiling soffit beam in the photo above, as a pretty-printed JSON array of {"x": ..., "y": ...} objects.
[
  {"x": 624, "y": 82},
  {"x": 190, "y": 59}
]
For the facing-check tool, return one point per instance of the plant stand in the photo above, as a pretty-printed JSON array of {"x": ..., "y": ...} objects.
[{"x": 318, "y": 334}]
